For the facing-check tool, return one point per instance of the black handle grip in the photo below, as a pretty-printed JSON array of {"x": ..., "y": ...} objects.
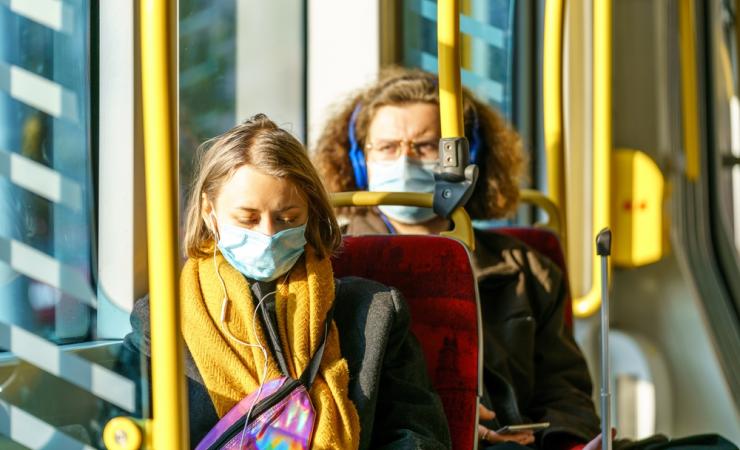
[{"x": 604, "y": 242}]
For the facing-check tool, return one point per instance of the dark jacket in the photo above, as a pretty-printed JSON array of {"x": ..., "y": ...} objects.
[
  {"x": 389, "y": 386},
  {"x": 533, "y": 369}
]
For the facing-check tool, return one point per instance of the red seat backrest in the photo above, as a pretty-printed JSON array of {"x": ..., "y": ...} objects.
[
  {"x": 436, "y": 278},
  {"x": 547, "y": 243}
]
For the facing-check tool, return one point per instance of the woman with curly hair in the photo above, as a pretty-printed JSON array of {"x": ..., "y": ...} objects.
[{"x": 385, "y": 138}]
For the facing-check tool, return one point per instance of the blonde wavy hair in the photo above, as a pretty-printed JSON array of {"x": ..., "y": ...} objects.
[
  {"x": 500, "y": 157},
  {"x": 260, "y": 143}
]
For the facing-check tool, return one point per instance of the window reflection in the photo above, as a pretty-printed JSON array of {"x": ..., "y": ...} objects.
[
  {"x": 487, "y": 46},
  {"x": 727, "y": 121},
  {"x": 45, "y": 182},
  {"x": 237, "y": 58},
  {"x": 207, "y": 74}
]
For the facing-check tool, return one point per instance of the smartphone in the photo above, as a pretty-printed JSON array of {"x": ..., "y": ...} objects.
[{"x": 509, "y": 429}]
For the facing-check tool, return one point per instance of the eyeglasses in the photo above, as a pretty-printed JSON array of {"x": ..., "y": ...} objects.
[{"x": 389, "y": 150}]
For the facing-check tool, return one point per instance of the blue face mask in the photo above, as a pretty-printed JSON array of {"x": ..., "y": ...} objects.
[
  {"x": 261, "y": 257},
  {"x": 403, "y": 175}
]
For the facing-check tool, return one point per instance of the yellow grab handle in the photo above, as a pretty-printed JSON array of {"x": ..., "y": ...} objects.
[
  {"x": 462, "y": 226},
  {"x": 554, "y": 216}
]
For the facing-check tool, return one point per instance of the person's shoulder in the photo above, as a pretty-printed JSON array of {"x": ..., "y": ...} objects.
[
  {"x": 499, "y": 253},
  {"x": 362, "y": 293},
  {"x": 362, "y": 287},
  {"x": 139, "y": 337},
  {"x": 361, "y": 221}
]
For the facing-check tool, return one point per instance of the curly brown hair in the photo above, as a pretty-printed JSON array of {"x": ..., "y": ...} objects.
[{"x": 500, "y": 160}]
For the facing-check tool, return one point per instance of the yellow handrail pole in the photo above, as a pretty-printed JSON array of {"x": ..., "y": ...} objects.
[
  {"x": 450, "y": 85},
  {"x": 168, "y": 388},
  {"x": 554, "y": 217},
  {"x": 462, "y": 226},
  {"x": 602, "y": 144},
  {"x": 552, "y": 101},
  {"x": 689, "y": 94}
]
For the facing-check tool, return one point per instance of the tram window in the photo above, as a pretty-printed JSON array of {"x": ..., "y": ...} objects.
[
  {"x": 724, "y": 138},
  {"x": 498, "y": 66},
  {"x": 238, "y": 58},
  {"x": 487, "y": 45},
  {"x": 727, "y": 117},
  {"x": 45, "y": 171}
]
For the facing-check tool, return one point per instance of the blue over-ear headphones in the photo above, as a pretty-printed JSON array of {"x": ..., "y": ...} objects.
[
  {"x": 357, "y": 156},
  {"x": 475, "y": 138}
]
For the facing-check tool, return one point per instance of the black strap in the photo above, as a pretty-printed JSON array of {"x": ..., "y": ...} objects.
[
  {"x": 274, "y": 337},
  {"x": 306, "y": 379},
  {"x": 312, "y": 369},
  {"x": 310, "y": 372}
]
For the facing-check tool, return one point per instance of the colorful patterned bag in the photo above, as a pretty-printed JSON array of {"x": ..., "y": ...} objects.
[{"x": 282, "y": 419}]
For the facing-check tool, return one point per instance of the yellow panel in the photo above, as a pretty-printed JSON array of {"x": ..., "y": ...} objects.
[{"x": 637, "y": 209}]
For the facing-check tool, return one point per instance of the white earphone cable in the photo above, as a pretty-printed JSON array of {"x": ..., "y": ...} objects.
[{"x": 225, "y": 326}]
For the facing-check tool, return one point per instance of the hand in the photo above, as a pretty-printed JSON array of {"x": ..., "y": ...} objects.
[
  {"x": 490, "y": 436},
  {"x": 595, "y": 443}
]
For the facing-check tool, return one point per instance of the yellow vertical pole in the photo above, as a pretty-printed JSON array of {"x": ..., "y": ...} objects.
[
  {"x": 689, "y": 94},
  {"x": 602, "y": 143},
  {"x": 552, "y": 100},
  {"x": 158, "y": 62},
  {"x": 450, "y": 85},
  {"x": 602, "y": 135},
  {"x": 466, "y": 55}
]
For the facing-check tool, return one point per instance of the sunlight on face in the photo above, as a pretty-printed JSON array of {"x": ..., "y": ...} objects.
[
  {"x": 253, "y": 200},
  {"x": 416, "y": 123}
]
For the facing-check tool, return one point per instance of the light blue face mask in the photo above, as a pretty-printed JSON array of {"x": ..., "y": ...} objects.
[
  {"x": 403, "y": 175},
  {"x": 261, "y": 257}
]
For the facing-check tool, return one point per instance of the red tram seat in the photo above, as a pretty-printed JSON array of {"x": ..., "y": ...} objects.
[
  {"x": 547, "y": 243},
  {"x": 436, "y": 278}
]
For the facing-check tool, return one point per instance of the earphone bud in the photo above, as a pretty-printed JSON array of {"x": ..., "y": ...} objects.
[{"x": 212, "y": 227}]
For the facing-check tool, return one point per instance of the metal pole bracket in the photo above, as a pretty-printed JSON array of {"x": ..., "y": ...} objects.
[{"x": 455, "y": 177}]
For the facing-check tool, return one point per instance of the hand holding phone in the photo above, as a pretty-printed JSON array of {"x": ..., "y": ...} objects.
[{"x": 533, "y": 427}]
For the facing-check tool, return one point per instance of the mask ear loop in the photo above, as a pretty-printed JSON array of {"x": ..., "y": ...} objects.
[{"x": 356, "y": 155}]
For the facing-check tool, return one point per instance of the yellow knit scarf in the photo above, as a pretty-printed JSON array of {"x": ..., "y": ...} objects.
[{"x": 231, "y": 370}]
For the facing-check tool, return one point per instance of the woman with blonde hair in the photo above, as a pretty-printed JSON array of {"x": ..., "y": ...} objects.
[
  {"x": 263, "y": 316},
  {"x": 385, "y": 138}
]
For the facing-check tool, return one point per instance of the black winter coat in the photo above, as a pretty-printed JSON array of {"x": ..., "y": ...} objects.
[
  {"x": 533, "y": 370},
  {"x": 389, "y": 385}
]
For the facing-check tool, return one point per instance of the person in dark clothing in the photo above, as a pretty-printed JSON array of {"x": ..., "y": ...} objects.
[
  {"x": 258, "y": 288},
  {"x": 385, "y": 138}
]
